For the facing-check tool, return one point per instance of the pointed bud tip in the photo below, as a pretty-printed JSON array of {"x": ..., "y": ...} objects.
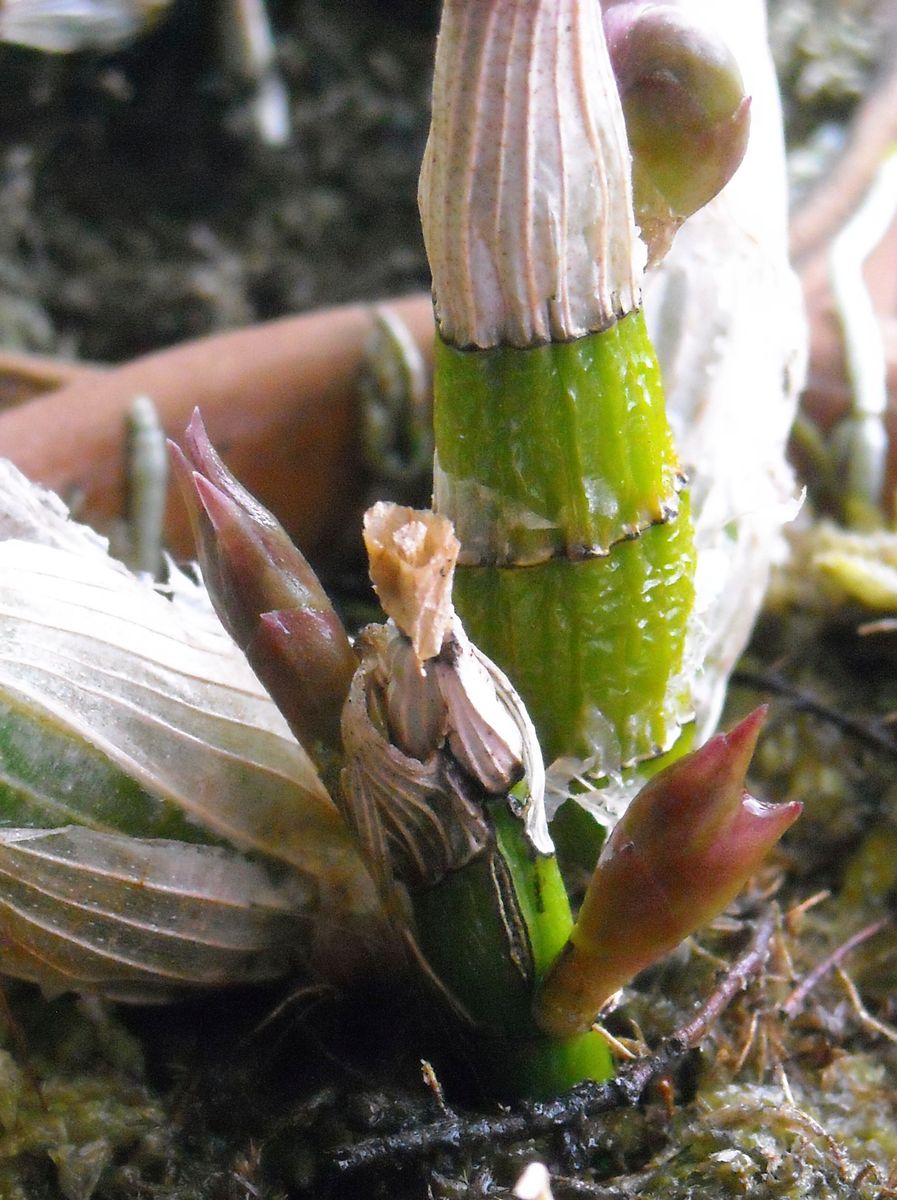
[
  {"x": 180, "y": 465},
  {"x": 196, "y": 435},
  {"x": 681, "y": 853},
  {"x": 185, "y": 476},
  {"x": 222, "y": 511},
  {"x": 267, "y": 596},
  {"x": 741, "y": 741},
  {"x": 203, "y": 455},
  {"x": 700, "y": 787},
  {"x": 758, "y": 825}
]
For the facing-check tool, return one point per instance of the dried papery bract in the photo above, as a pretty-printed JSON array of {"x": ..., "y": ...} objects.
[
  {"x": 524, "y": 192},
  {"x": 412, "y": 556},
  {"x": 681, "y": 852},
  {"x": 687, "y": 115},
  {"x": 268, "y": 598},
  {"x": 142, "y": 762}
]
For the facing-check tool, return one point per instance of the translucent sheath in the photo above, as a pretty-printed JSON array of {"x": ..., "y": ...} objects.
[
  {"x": 557, "y": 467},
  {"x": 160, "y": 828}
]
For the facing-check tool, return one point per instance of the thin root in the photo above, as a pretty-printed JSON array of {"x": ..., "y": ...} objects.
[
  {"x": 863, "y": 1015},
  {"x": 794, "y": 1002}
]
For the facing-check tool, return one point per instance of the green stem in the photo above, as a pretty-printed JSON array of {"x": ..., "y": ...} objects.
[
  {"x": 510, "y": 919},
  {"x": 557, "y": 466}
]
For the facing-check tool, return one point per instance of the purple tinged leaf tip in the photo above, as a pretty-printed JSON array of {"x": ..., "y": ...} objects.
[
  {"x": 267, "y": 596},
  {"x": 681, "y": 852},
  {"x": 308, "y": 669},
  {"x": 208, "y": 463}
]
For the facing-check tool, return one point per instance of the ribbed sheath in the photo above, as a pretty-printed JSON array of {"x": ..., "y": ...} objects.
[{"x": 525, "y": 191}]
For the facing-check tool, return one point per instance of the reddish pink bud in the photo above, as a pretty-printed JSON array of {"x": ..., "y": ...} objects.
[
  {"x": 267, "y": 596},
  {"x": 301, "y": 657},
  {"x": 681, "y": 852},
  {"x": 687, "y": 116}
]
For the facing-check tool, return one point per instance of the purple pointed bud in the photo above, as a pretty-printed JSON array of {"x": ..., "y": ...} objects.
[
  {"x": 681, "y": 852},
  {"x": 687, "y": 116},
  {"x": 300, "y": 656},
  {"x": 267, "y": 596}
]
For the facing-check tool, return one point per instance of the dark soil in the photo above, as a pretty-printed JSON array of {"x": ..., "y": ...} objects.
[{"x": 136, "y": 209}]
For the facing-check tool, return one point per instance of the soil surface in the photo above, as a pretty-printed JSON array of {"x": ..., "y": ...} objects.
[{"x": 137, "y": 208}]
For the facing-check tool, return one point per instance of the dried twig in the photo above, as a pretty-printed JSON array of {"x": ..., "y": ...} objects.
[
  {"x": 462, "y": 1134},
  {"x": 863, "y": 1015},
  {"x": 794, "y": 1002}
]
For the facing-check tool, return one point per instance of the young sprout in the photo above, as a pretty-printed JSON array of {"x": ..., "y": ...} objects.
[
  {"x": 444, "y": 792},
  {"x": 687, "y": 115},
  {"x": 147, "y": 487},
  {"x": 682, "y": 851},
  {"x": 268, "y": 598},
  {"x": 250, "y": 56}
]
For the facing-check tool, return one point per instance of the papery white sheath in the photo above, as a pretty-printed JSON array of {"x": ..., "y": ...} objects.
[{"x": 132, "y": 735}]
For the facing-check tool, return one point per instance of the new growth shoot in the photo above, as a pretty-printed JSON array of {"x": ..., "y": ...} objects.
[
  {"x": 562, "y": 536},
  {"x": 541, "y": 613}
]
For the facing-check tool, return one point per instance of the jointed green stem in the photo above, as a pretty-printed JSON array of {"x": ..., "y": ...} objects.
[
  {"x": 560, "y": 450},
  {"x": 557, "y": 466},
  {"x": 509, "y": 919}
]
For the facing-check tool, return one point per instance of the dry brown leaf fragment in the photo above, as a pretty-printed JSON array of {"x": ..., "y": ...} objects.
[{"x": 412, "y": 556}]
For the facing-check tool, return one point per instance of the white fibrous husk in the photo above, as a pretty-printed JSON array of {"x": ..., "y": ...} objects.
[
  {"x": 490, "y": 732},
  {"x": 118, "y": 678},
  {"x": 138, "y": 919},
  {"x": 525, "y": 193}
]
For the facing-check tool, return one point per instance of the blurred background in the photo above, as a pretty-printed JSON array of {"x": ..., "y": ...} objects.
[{"x": 143, "y": 202}]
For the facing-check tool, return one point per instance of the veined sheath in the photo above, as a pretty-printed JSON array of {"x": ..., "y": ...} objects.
[
  {"x": 553, "y": 455},
  {"x": 557, "y": 467}
]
